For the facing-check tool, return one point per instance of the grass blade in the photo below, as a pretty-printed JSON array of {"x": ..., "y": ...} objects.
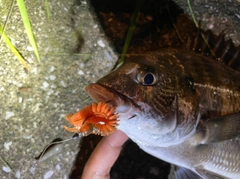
[
  {"x": 13, "y": 48},
  {"x": 48, "y": 9},
  {"x": 28, "y": 28},
  {"x": 5, "y": 24},
  {"x": 197, "y": 25},
  {"x": 131, "y": 29}
]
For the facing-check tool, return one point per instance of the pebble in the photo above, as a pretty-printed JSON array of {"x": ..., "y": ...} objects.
[
  {"x": 52, "y": 68},
  {"x": 18, "y": 174},
  {"x": 9, "y": 114},
  {"x": 48, "y": 174},
  {"x": 32, "y": 170},
  {"x": 100, "y": 43},
  {"x": 80, "y": 72},
  {"x": 20, "y": 99},
  {"x": 52, "y": 77},
  {"x": 45, "y": 85},
  {"x": 6, "y": 169},
  {"x": 30, "y": 49},
  {"x": 63, "y": 83},
  {"x": 58, "y": 167},
  {"x": 7, "y": 145}
]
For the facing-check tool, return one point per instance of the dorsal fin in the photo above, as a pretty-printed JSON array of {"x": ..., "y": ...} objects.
[{"x": 215, "y": 46}]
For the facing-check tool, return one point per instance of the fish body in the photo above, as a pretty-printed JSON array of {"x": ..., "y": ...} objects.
[{"x": 178, "y": 106}]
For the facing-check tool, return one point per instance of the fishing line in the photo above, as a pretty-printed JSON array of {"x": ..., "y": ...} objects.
[{"x": 74, "y": 137}]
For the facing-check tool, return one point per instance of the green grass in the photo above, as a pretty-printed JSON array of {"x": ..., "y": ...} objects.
[
  {"x": 47, "y": 9},
  {"x": 192, "y": 14},
  {"x": 197, "y": 25},
  {"x": 28, "y": 27},
  {"x": 6, "y": 39},
  {"x": 130, "y": 32},
  {"x": 13, "y": 48}
]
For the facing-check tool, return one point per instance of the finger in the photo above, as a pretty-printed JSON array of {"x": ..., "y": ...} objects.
[{"x": 104, "y": 156}]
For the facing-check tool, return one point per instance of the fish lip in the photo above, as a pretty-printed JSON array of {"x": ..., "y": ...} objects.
[
  {"x": 124, "y": 106},
  {"x": 102, "y": 93}
]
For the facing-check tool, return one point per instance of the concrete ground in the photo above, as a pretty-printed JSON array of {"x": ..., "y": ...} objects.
[
  {"x": 74, "y": 52},
  {"x": 33, "y": 104}
]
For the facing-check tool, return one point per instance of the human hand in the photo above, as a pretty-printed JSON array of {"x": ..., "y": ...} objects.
[{"x": 104, "y": 156}]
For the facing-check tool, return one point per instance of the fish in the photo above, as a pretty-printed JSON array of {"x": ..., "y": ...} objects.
[{"x": 179, "y": 106}]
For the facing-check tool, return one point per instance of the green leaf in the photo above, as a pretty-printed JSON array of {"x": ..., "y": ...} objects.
[
  {"x": 28, "y": 27},
  {"x": 13, "y": 48}
]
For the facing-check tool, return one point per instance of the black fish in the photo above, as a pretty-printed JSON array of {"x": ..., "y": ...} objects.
[{"x": 181, "y": 107}]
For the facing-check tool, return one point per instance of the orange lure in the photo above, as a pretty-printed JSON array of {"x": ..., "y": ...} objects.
[{"x": 97, "y": 118}]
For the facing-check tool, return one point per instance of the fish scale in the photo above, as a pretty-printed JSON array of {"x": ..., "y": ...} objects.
[{"x": 225, "y": 161}]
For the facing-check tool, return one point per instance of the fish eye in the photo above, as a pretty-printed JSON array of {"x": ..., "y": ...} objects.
[{"x": 146, "y": 78}]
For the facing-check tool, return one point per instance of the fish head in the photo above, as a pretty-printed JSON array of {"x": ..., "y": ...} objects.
[{"x": 147, "y": 94}]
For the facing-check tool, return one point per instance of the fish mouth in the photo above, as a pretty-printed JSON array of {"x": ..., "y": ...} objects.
[
  {"x": 101, "y": 93},
  {"x": 125, "y": 108}
]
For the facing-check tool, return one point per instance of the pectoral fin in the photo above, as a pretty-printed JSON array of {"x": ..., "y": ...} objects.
[
  {"x": 218, "y": 129},
  {"x": 184, "y": 173},
  {"x": 209, "y": 175}
]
